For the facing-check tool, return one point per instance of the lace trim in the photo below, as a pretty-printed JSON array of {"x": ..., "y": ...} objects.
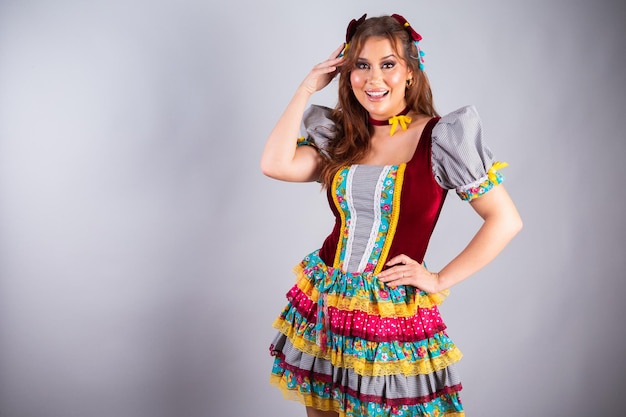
[
  {"x": 427, "y": 323},
  {"x": 483, "y": 185},
  {"x": 363, "y": 302},
  {"x": 393, "y": 223},
  {"x": 324, "y": 404},
  {"x": 409, "y": 365},
  {"x": 375, "y": 231},
  {"x": 322, "y": 384},
  {"x": 352, "y": 407}
]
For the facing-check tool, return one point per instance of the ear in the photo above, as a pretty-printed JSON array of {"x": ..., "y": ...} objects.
[{"x": 410, "y": 80}]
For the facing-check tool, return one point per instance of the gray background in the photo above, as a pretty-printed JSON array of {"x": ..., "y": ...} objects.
[{"x": 143, "y": 256}]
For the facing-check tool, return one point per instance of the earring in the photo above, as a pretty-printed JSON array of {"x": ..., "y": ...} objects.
[{"x": 409, "y": 83}]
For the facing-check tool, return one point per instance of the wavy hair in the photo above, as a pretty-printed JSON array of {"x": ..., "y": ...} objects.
[{"x": 352, "y": 140}]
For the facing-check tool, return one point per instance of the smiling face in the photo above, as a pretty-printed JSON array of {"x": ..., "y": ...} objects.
[{"x": 379, "y": 78}]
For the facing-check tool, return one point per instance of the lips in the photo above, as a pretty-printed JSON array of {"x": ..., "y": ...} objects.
[{"x": 377, "y": 95}]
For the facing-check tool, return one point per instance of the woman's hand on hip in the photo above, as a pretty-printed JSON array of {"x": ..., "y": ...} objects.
[{"x": 406, "y": 271}]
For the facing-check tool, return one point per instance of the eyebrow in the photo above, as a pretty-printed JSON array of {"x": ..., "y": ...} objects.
[{"x": 382, "y": 59}]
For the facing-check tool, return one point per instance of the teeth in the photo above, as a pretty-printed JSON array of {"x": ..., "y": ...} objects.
[{"x": 376, "y": 93}]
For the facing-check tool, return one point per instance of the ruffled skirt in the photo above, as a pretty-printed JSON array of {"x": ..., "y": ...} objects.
[{"x": 350, "y": 344}]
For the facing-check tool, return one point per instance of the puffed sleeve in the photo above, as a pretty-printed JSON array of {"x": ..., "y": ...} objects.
[
  {"x": 461, "y": 160},
  {"x": 318, "y": 128}
]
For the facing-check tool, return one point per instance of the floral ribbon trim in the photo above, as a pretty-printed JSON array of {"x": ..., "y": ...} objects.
[{"x": 492, "y": 179}]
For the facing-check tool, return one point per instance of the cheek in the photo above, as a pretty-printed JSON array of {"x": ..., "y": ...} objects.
[
  {"x": 357, "y": 79},
  {"x": 396, "y": 78}
]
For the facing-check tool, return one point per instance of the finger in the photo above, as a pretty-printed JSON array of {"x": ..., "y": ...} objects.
[
  {"x": 388, "y": 272},
  {"x": 329, "y": 65},
  {"x": 394, "y": 273},
  {"x": 399, "y": 259},
  {"x": 323, "y": 70},
  {"x": 337, "y": 52},
  {"x": 334, "y": 59},
  {"x": 396, "y": 282}
]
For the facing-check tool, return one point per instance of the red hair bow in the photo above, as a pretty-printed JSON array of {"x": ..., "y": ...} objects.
[
  {"x": 352, "y": 27},
  {"x": 414, "y": 35}
]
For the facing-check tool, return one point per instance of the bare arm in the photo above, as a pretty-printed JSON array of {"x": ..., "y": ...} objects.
[
  {"x": 501, "y": 223},
  {"x": 281, "y": 158}
]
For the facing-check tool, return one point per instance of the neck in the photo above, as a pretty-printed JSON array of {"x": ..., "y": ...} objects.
[
  {"x": 400, "y": 120},
  {"x": 387, "y": 122}
]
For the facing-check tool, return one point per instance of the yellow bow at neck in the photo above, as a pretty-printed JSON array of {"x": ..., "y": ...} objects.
[{"x": 402, "y": 121}]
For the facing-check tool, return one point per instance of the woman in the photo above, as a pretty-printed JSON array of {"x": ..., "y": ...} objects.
[{"x": 361, "y": 334}]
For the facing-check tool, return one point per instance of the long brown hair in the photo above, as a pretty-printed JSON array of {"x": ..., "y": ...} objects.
[{"x": 352, "y": 140}]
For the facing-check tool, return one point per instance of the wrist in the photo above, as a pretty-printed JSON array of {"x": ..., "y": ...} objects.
[
  {"x": 439, "y": 282},
  {"x": 304, "y": 90}
]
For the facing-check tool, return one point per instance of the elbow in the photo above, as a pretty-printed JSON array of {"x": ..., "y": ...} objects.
[
  {"x": 268, "y": 168},
  {"x": 507, "y": 225},
  {"x": 275, "y": 171},
  {"x": 515, "y": 225},
  {"x": 265, "y": 168},
  {"x": 270, "y": 173}
]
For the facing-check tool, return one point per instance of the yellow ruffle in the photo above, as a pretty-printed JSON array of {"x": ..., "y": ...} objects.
[
  {"x": 362, "y": 302},
  {"x": 323, "y": 404},
  {"x": 361, "y": 366}
]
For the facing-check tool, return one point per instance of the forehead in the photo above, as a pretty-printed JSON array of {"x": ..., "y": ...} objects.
[{"x": 378, "y": 47}]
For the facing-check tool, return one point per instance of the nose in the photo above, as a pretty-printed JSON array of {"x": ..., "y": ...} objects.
[{"x": 375, "y": 74}]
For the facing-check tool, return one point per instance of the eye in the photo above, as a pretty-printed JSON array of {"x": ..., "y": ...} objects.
[
  {"x": 362, "y": 65},
  {"x": 388, "y": 65}
]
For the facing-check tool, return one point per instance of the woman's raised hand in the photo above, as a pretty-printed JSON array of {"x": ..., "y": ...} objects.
[
  {"x": 282, "y": 158},
  {"x": 322, "y": 74}
]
